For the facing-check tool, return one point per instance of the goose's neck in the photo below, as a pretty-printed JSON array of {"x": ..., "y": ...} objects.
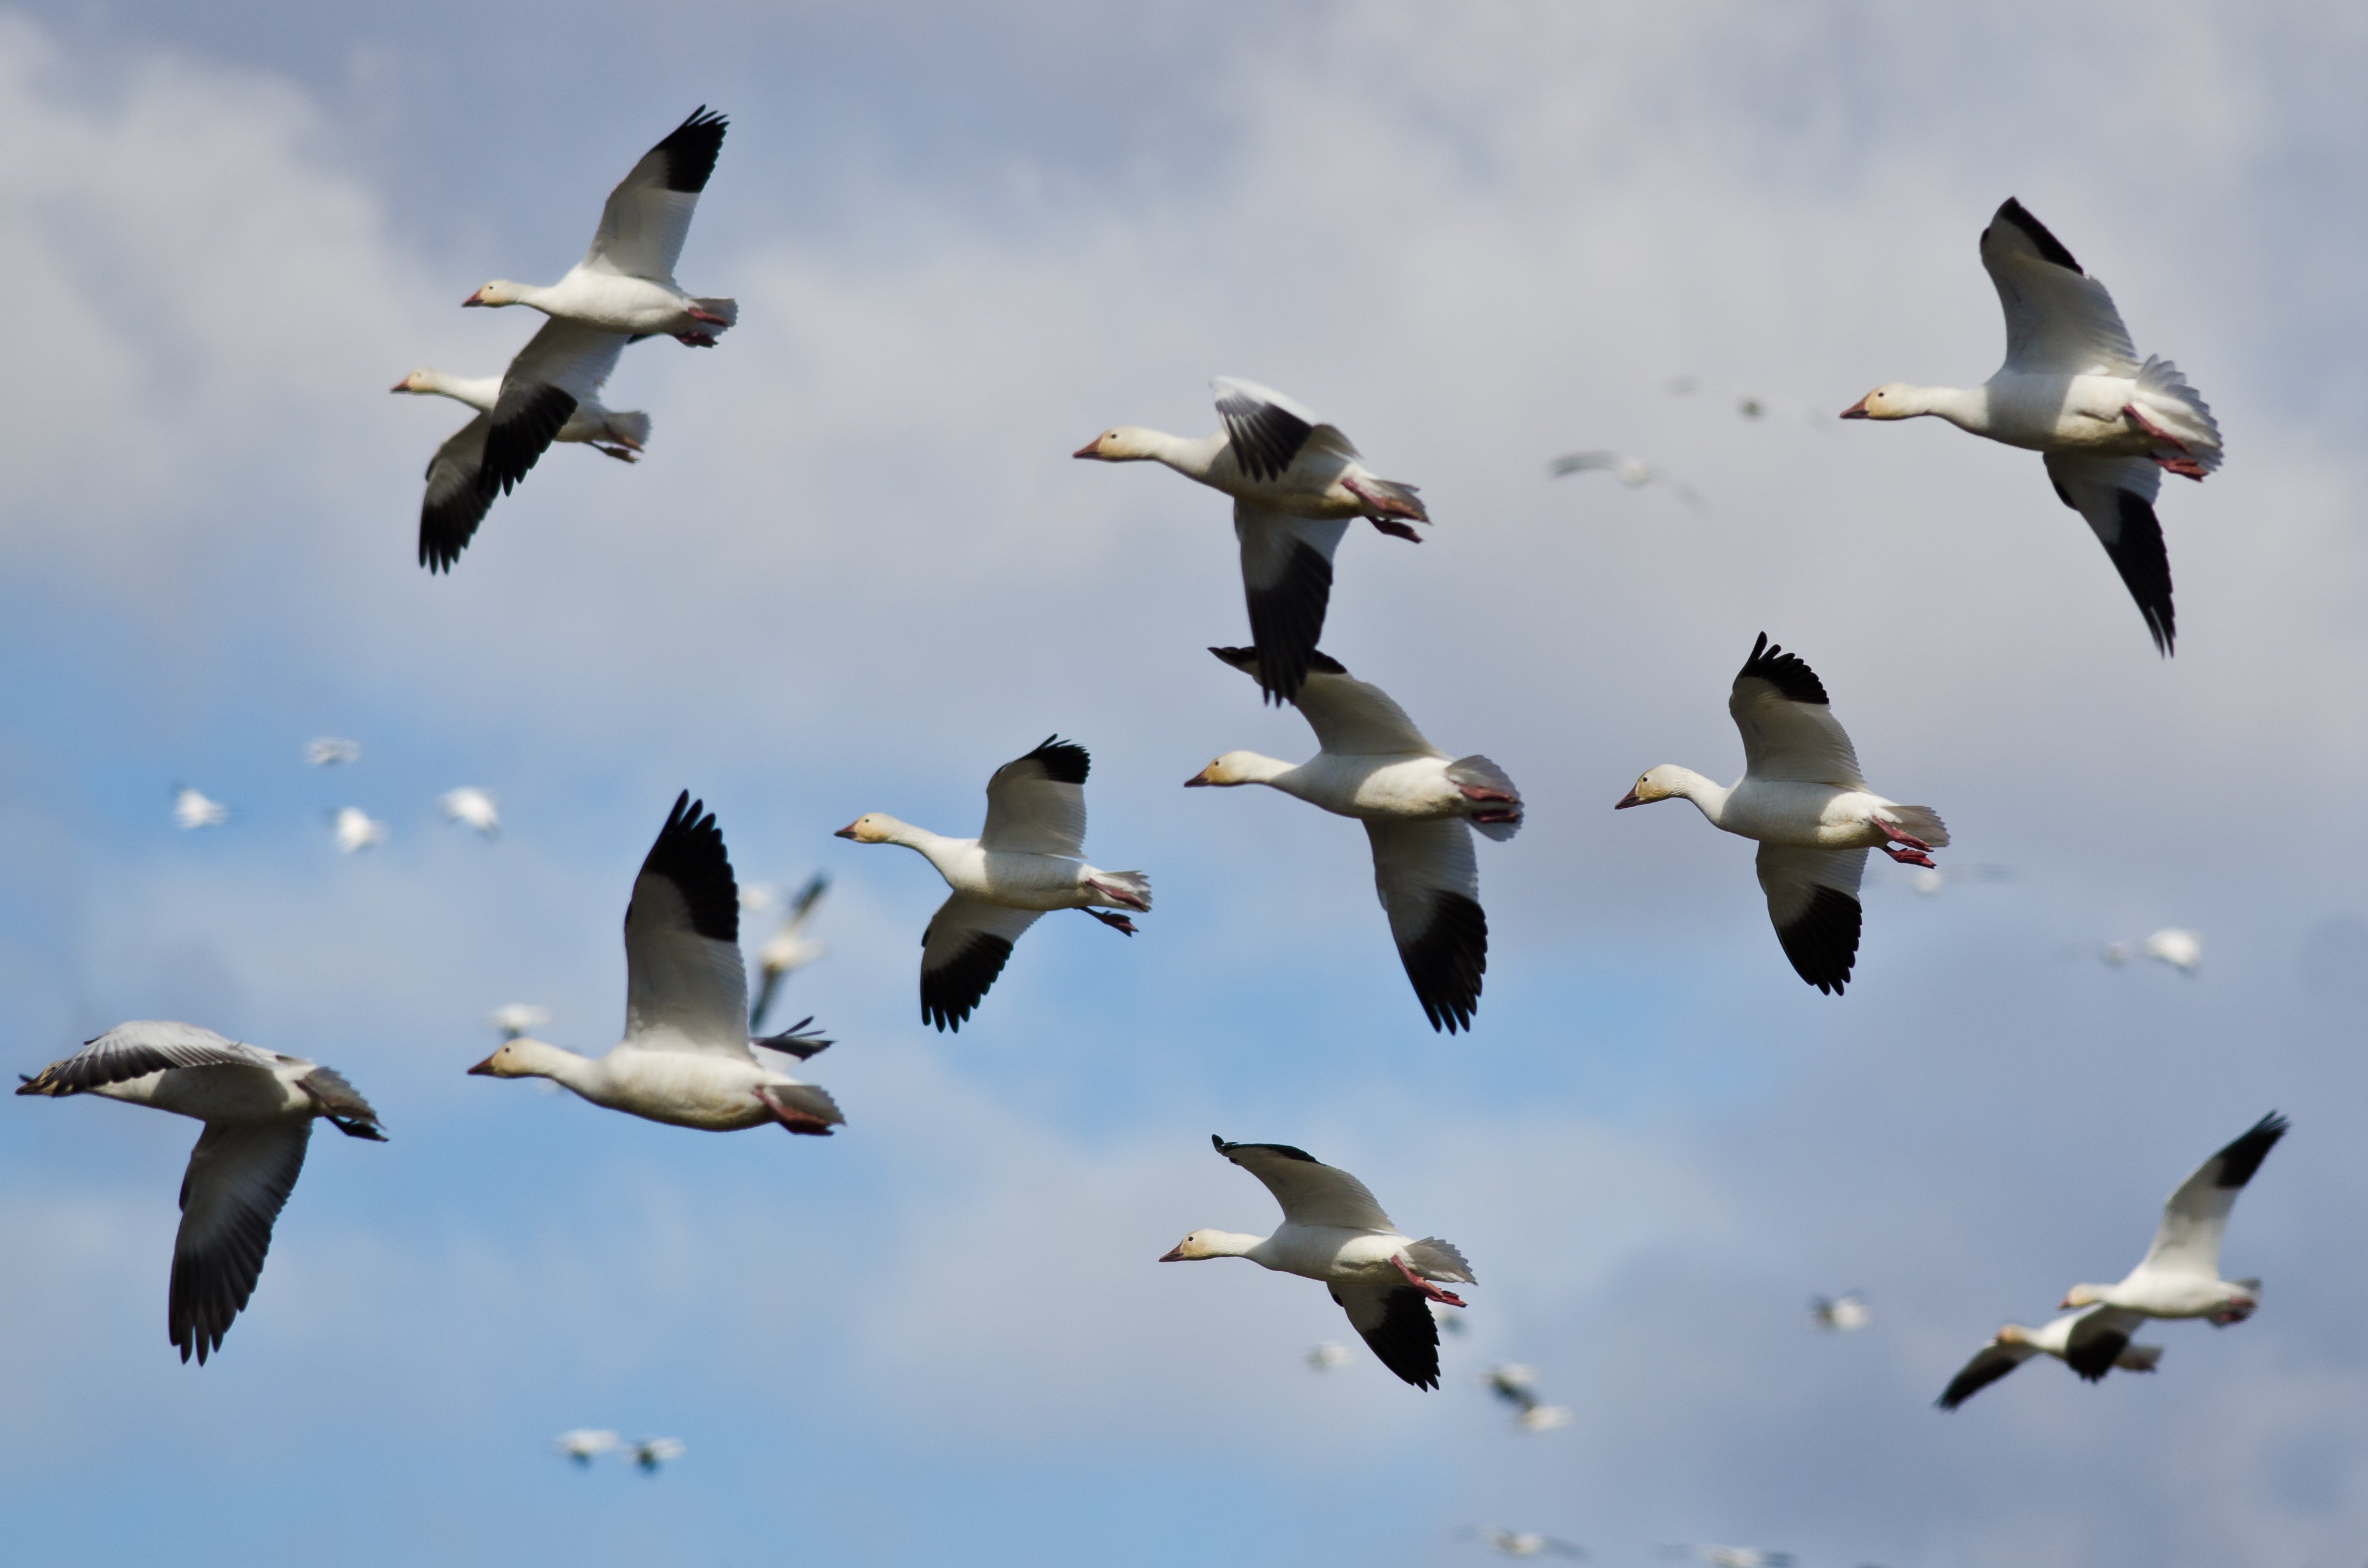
[
  {"x": 1708, "y": 795},
  {"x": 932, "y": 846},
  {"x": 1968, "y": 408},
  {"x": 477, "y": 392},
  {"x": 540, "y": 1059},
  {"x": 1249, "y": 768},
  {"x": 1232, "y": 1244},
  {"x": 1194, "y": 457}
]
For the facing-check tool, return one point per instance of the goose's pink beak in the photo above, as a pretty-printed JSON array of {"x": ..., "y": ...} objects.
[
  {"x": 402, "y": 385},
  {"x": 1858, "y": 409},
  {"x": 1173, "y": 1255},
  {"x": 1090, "y": 449},
  {"x": 1627, "y": 801},
  {"x": 483, "y": 1069},
  {"x": 847, "y": 832}
]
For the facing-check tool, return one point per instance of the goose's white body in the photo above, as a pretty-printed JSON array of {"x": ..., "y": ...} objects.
[
  {"x": 2180, "y": 1275},
  {"x": 686, "y": 1059}
]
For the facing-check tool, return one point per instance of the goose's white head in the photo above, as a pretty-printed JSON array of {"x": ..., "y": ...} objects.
[
  {"x": 1893, "y": 399},
  {"x": 1234, "y": 768},
  {"x": 500, "y": 292},
  {"x": 1198, "y": 1246},
  {"x": 523, "y": 1057},
  {"x": 1654, "y": 784},
  {"x": 2012, "y": 1334},
  {"x": 2081, "y": 1296},
  {"x": 1119, "y": 444},
  {"x": 872, "y": 827},
  {"x": 417, "y": 381}
]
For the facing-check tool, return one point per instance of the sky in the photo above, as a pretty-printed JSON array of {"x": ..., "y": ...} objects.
[{"x": 858, "y": 570}]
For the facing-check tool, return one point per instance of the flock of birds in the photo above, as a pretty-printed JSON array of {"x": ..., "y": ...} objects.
[{"x": 2106, "y": 425}]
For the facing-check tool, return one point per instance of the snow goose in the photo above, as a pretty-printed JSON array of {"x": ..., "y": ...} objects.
[
  {"x": 1930, "y": 879},
  {"x": 355, "y": 830},
  {"x": 1417, "y": 805},
  {"x": 472, "y": 807},
  {"x": 686, "y": 1059},
  {"x": 516, "y": 1018},
  {"x": 1632, "y": 472},
  {"x": 2180, "y": 1275},
  {"x": 1801, "y": 796},
  {"x": 1326, "y": 1356},
  {"x": 458, "y": 492},
  {"x": 788, "y": 948},
  {"x": 1296, "y": 486},
  {"x": 652, "y": 1452},
  {"x": 192, "y": 811},
  {"x": 1333, "y": 1232},
  {"x": 1840, "y": 1314},
  {"x": 259, "y": 1107},
  {"x": 2182, "y": 950},
  {"x": 1732, "y": 1556},
  {"x": 1516, "y": 1383},
  {"x": 584, "y": 1444},
  {"x": 328, "y": 751},
  {"x": 1523, "y": 1543},
  {"x": 2105, "y": 1346},
  {"x": 1027, "y": 860},
  {"x": 2073, "y": 390}
]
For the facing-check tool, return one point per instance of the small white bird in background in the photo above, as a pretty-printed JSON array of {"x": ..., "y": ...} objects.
[
  {"x": 1516, "y": 1384},
  {"x": 586, "y": 1443},
  {"x": 472, "y": 807},
  {"x": 328, "y": 751},
  {"x": 355, "y": 829},
  {"x": 1932, "y": 879},
  {"x": 1633, "y": 472},
  {"x": 2181, "y": 949},
  {"x": 652, "y": 1452},
  {"x": 788, "y": 949},
  {"x": 1449, "y": 1320},
  {"x": 1751, "y": 405},
  {"x": 1841, "y": 1313},
  {"x": 192, "y": 810},
  {"x": 1732, "y": 1556},
  {"x": 517, "y": 1018},
  {"x": 1326, "y": 1356},
  {"x": 1521, "y": 1543}
]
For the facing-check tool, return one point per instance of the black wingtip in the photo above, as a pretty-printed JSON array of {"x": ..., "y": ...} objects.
[
  {"x": 1247, "y": 661},
  {"x": 1788, "y": 673},
  {"x": 1822, "y": 940},
  {"x": 520, "y": 433},
  {"x": 952, "y": 991},
  {"x": 2240, "y": 1159},
  {"x": 1447, "y": 962},
  {"x": 689, "y": 853},
  {"x": 690, "y": 150},
  {"x": 1065, "y": 762},
  {"x": 2140, "y": 556},
  {"x": 2050, "y": 247}
]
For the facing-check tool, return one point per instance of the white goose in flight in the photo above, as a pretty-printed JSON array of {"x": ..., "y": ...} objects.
[
  {"x": 1027, "y": 860},
  {"x": 472, "y": 808},
  {"x": 623, "y": 290},
  {"x": 2104, "y": 1345},
  {"x": 192, "y": 810},
  {"x": 2180, "y": 1275},
  {"x": 788, "y": 949},
  {"x": 1296, "y": 486},
  {"x": 458, "y": 496},
  {"x": 1333, "y": 1232},
  {"x": 1802, "y": 797},
  {"x": 1417, "y": 805},
  {"x": 2073, "y": 390},
  {"x": 259, "y": 1107},
  {"x": 686, "y": 1059}
]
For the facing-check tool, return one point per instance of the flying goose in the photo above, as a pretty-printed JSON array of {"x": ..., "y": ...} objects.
[
  {"x": 472, "y": 807},
  {"x": 1324, "y": 1356},
  {"x": 1523, "y": 1543},
  {"x": 1417, "y": 805},
  {"x": 1028, "y": 859},
  {"x": 686, "y": 1059},
  {"x": 1732, "y": 1556},
  {"x": 192, "y": 810},
  {"x": 259, "y": 1108},
  {"x": 621, "y": 290},
  {"x": 788, "y": 948},
  {"x": 1296, "y": 486},
  {"x": 1634, "y": 473},
  {"x": 584, "y": 1444},
  {"x": 1516, "y": 1383},
  {"x": 2104, "y": 1345},
  {"x": 1334, "y": 1232},
  {"x": 458, "y": 492},
  {"x": 355, "y": 829},
  {"x": 1801, "y": 796},
  {"x": 2181, "y": 949},
  {"x": 328, "y": 751},
  {"x": 1840, "y": 1314},
  {"x": 652, "y": 1452},
  {"x": 2073, "y": 390},
  {"x": 2180, "y": 1275}
]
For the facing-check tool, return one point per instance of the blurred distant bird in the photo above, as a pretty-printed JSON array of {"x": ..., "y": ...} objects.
[
  {"x": 652, "y": 1452},
  {"x": 1522, "y": 1544},
  {"x": 1732, "y": 1556},
  {"x": 2072, "y": 388},
  {"x": 1419, "y": 808},
  {"x": 1333, "y": 1232},
  {"x": 1840, "y": 1313},
  {"x": 259, "y": 1107},
  {"x": 1803, "y": 798},
  {"x": 1296, "y": 486},
  {"x": 1516, "y": 1384},
  {"x": 787, "y": 949},
  {"x": 1449, "y": 1322},
  {"x": 458, "y": 492},
  {"x": 1324, "y": 1356},
  {"x": 2182, "y": 950},
  {"x": 1932, "y": 879},
  {"x": 328, "y": 751},
  {"x": 1751, "y": 405},
  {"x": 1028, "y": 860},
  {"x": 686, "y": 1059},
  {"x": 584, "y": 1444},
  {"x": 191, "y": 810},
  {"x": 516, "y": 1018},
  {"x": 355, "y": 830},
  {"x": 1633, "y": 472},
  {"x": 2014, "y": 1345},
  {"x": 2180, "y": 1275},
  {"x": 472, "y": 807}
]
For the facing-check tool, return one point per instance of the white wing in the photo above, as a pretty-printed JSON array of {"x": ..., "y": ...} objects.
[
  {"x": 1350, "y": 717},
  {"x": 648, "y": 215},
  {"x": 965, "y": 947},
  {"x": 2058, "y": 321},
  {"x": 1267, "y": 430},
  {"x": 238, "y": 1178},
  {"x": 137, "y": 1049},
  {"x": 1788, "y": 728},
  {"x": 1036, "y": 805},
  {"x": 562, "y": 365},
  {"x": 1430, "y": 882},
  {"x": 2115, "y": 497},
  {"x": 2187, "y": 1240},
  {"x": 1287, "y": 578},
  {"x": 685, "y": 986},
  {"x": 1813, "y": 903},
  {"x": 1311, "y": 1192}
]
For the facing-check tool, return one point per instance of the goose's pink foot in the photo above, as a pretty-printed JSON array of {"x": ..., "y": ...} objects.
[
  {"x": 1396, "y": 530},
  {"x": 2184, "y": 466},
  {"x": 1115, "y": 922},
  {"x": 1424, "y": 1286},
  {"x": 695, "y": 339},
  {"x": 620, "y": 453},
  {"x": 791, "y": 1116},
  {"x": 1904, "y": 848},
  {"x": 1380, "y": 505},
  {"x": 1120, "y": 895},
  {"x": 710, "y": 317}
]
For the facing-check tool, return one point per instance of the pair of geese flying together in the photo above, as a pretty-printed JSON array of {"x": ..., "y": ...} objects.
[
  {"x": 2179, "y": 1277},
  {"x": 623, "y": 290}
]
